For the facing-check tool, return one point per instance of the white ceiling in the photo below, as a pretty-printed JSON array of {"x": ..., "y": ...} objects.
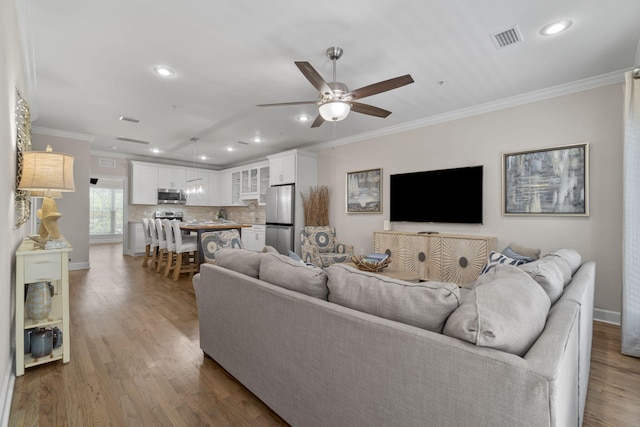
[{"x": 94, "y": 62}]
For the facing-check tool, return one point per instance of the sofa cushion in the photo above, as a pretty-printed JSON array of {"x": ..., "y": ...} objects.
[
  {"x": 571, "y": 257},
  {"x": 280, "y": 270},
  {"x": 241, "y": 260},
  {"x": 425, "y": 305},
  {"x": 551, "y": 272},
  {"x": 496, "y": 258},
  {"x": 506, "y": 310}
]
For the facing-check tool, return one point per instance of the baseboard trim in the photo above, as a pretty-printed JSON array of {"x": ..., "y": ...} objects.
[
  {"x": 7, "y": 393},
  {"x": 79, "y": 266},
  {"x": 607, "y": 316}
]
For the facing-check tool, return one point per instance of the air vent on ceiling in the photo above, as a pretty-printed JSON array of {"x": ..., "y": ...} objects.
[
  {"x": 243, "y": 143},
  {"x": 137, "y": 141},
  {"x": 107, "y": 163},
  {"x": 507, "y": 37}
]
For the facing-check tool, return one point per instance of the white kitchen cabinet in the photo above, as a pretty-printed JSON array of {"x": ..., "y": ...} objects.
[
  {"x": 144, "y": 183},
  {"x": 253, "y": 238},
  {"x": 236, "y": 186},
  {"x": 172, "y": 177},
  {"x": 224, "y": 189},
  {"x": 282, "y": 169},
  {"x": 136, "y": 238},
  {"x": 213, "y": 189},
  {"x": 264, "y": 184}
]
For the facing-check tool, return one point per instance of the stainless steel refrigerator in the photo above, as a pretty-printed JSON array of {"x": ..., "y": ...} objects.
[{"x": 280, "y": 215}]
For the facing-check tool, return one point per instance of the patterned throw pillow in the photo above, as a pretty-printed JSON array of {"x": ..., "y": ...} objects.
[
  {"x": 215, "y": 240},
  {"x": 496, "y": 258}
]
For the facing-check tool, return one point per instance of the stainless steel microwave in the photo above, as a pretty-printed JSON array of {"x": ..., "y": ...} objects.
[{"x": 169, "y": 196}]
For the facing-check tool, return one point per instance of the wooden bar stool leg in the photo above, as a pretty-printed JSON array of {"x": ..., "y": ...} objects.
[
  {"x": 147, "y": 251},
  {"x": 178, "y": 267},
  {"x": 170, "y": 263}
]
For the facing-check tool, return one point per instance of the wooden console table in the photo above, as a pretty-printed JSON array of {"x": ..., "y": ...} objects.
[{"x": 440, "y": 257}]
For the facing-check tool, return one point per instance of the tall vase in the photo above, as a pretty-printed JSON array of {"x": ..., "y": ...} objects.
[{"x": 38, "y": 303}]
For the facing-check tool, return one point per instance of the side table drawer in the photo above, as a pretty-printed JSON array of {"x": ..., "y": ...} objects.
[{"x": 38, "y": 268}]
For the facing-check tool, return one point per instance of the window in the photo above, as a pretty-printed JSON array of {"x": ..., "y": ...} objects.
[{"x": 106, "y": 211}]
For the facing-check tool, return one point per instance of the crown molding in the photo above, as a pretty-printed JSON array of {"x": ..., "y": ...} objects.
[
  {"x": 614, "y": 77},
  {"x": 62, "y": 133}
]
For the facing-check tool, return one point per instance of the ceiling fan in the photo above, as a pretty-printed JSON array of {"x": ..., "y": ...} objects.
[{"x": 335, "y": 100}]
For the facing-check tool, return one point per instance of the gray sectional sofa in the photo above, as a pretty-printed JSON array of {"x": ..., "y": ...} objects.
[{"x": 346, "y": 348}]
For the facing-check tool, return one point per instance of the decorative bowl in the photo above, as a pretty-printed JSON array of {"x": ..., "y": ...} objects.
[{"x": 363, "y": 265}]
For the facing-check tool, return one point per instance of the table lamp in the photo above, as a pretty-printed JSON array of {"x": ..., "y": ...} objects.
[{"x": 48, "y": 174}]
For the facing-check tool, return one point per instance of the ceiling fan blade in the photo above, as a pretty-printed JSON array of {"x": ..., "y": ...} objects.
[
  {"x": 287, "y": 103},
  {"x": 381, "y": 87},
  {"x": 369, "y": 109},
  {"x": 314, "y": 77},
  {"x": 317, "y": 122}
]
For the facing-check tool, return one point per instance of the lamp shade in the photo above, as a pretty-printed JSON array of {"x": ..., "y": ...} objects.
[
  {"x": 47, "y": 171},
  {"x": 334, "y": 111}
]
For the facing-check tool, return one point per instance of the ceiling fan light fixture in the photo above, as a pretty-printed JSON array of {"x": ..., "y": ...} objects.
[{"x": 334, "y": 111}]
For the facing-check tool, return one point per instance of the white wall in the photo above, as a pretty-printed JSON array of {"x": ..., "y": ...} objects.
[
  {"x": 593, "y": 116},
  {"x": 12, "y": 75},
  {"x": 74, "y": 223}
]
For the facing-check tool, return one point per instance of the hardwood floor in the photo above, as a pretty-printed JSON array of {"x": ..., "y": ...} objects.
[{"x": 136, "y": 360}]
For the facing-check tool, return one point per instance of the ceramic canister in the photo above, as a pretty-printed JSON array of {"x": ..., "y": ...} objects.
[
  {"x": 38, "y": 303},
  {"x": 41, "y": 343}
]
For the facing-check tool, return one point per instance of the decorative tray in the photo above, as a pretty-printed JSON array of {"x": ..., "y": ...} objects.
[{"x": 365, "y": 265}]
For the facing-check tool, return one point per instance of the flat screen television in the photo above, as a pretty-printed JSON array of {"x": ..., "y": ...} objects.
[{"x": 447, "y": 196}]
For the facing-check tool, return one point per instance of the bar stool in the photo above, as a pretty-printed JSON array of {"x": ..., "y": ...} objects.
[
  {"x": 147, "y": 241},
  {"x": 162, "y": 245},
  {"x": 155, "y": 244},
  {"x": 186, "y": 253},
  {"x": 171, "y": 246}
]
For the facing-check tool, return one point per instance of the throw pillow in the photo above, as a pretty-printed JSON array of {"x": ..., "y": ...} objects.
[
  {"x": 512, "y": 254},
  {"x": 496, "y": 258},
  {"x": 551, "y": 272},
  {"x": 280, "y": 270},
  {"x": 294, "y": 256},
  {"x": 241, "y": 260},
  {"x": 524, "y": 251},
  {"x": 425, "y": 305},
  {"x": 506, "y": 310}
]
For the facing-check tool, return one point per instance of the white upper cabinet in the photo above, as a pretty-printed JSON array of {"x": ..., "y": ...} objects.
[
  {"x": 282, "y": 169},
  {"x": 172, "y": 177},
  {"x": 144, "y": 184},
  {"x": 213, "y": 189},
  {"x": 224, "y": 189}
]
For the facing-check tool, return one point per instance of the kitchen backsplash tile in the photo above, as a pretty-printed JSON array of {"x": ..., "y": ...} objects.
[{"x": 250, "y": 214}]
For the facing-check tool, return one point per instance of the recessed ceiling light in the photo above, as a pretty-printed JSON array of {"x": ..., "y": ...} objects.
[
  {"x": 229, "y": 148},
  {"x": 155, "y": 151},
  {"x": 555, "y": 27},
  {"x": 164, "y": 71},
  {"x": 203, "y": 157},
  {"x": 257, "y": 139},
  {"x": 129, "y": 119},
  {"x": 303, "y": 118}
]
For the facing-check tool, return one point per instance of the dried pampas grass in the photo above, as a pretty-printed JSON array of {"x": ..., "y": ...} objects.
[{"x": 315, "y": 204}]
